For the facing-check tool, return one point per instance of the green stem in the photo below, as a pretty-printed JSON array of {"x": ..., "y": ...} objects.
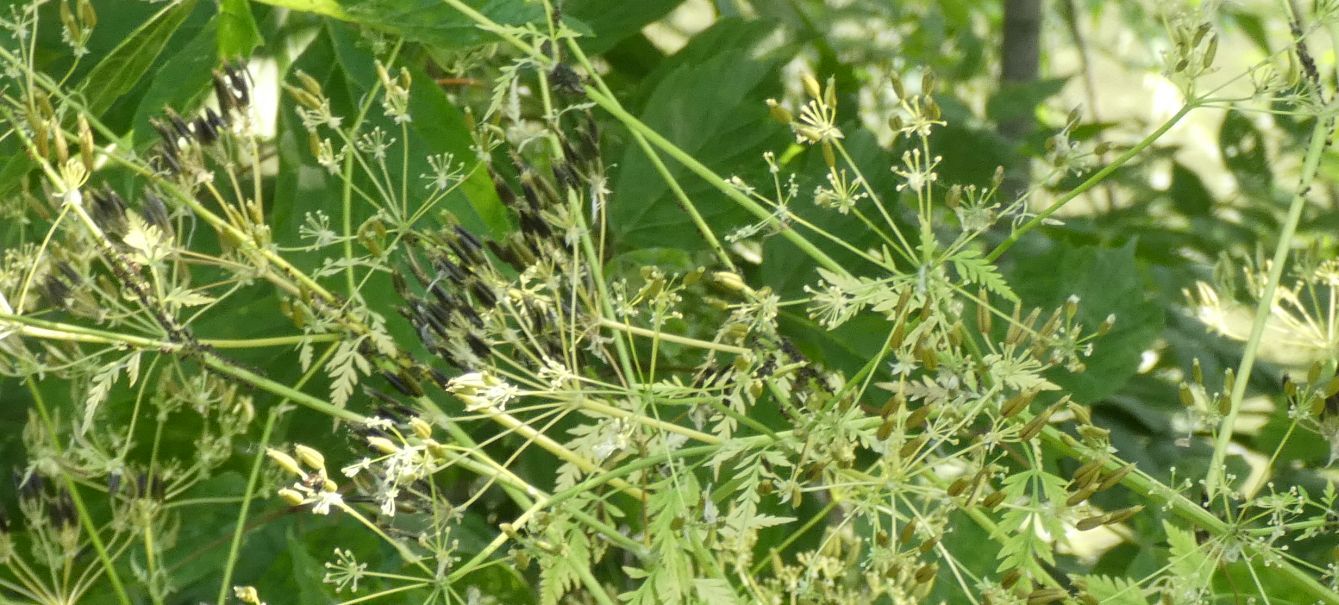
[
  {"x": 1262, "y": 311},
  {"x": 637, "y": 126},
  {"x": 1148, "y": 487},
  {"x": 1092, "y": 181},
  {"x": 85, "y": 518},
  {"x": 251, "y": 482},
  {"x": 683, "y": 340}
]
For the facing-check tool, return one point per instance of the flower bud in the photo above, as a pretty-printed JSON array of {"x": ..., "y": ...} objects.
[
  {"x": 310, "y": 457},
  {"x": 292, "y": 497},
  {"x": 285, "y": 461}
]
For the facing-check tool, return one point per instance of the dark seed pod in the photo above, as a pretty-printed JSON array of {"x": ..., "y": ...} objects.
[
  {"x": 222, "y": 94},
  {"x": 204, "y": 130},
  {"x": 179, "y": 126},
  {"x": 155, "y": 213},
  {"x": 477, "y": 345},
  {"x": 483, "y": 294},
  {"x": 168, "y": 161},
  {"x": 55, "y": 291},
  {"x": 214, "y": 119},
  {"x": 403, "y": 384},
  {"x": 108, "y": 211},
  {"x": 473, "y": 247},
  {"x": 239, "y": 80}
]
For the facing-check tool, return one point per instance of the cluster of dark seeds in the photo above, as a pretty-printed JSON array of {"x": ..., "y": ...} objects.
[{"x": 232, "y": 90}]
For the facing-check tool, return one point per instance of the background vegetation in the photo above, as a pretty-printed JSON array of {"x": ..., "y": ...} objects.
[{"x": 786, "y": 301}]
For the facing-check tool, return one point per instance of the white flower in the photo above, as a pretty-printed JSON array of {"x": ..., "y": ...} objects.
[
  {"x": 480, "y": 390},
  {"x": 323, "y": 500}
]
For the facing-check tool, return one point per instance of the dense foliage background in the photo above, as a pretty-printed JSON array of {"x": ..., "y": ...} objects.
[{"x": 746, "y": 314}]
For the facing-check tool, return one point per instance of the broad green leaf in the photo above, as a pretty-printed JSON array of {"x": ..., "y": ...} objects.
[
  {"x": 124, "y": 67},
  {"x": 1107, "y": 282},
  {"x": 181, "y": 82},
  {"x": 428, "y": 21},
  {"x": 1244, "y": 153},
  {"x": 707, "y": 96},
  {"x": 1016, "y": 100},
  {"x": 1188, "y": 192},
  {"x": 613, "y": 20},
  {"x": 237, "y": 31}
]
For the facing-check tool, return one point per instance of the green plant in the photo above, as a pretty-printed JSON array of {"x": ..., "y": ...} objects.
[{"x": 467, "y": 320}]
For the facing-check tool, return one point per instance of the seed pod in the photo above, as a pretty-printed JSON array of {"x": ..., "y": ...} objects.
[
  {"x": 285, "y": 461},
  {"x": 1034, "y": 426},
  {"x": 925, "y": 573},
  {"x": 420, "y": 427},
  {"x": 928, "y": 545},
  {"x": 928, "y": 83},
  {"x": 1106, "y": 325},
  {"x": 911, "y": 447},
  {"x": 1081, "y": 495},
  {"x": 291, "y": 496},
  {"x": 1010, "y": 578},
  {"x": 898, "y": 88},
  {"x": 885, "y": 429},
  {"x": 86, "y": 14},
  {"x": 382, "y": 444},
  {"x": 1187, "y": 395},
  {"x": 1088, "y": 523},
  {"x": 993, "y": 500},
  {"x": 1042, "y": 596},
  {"x": 1123, "y": 514},
  {"x": 1017, "y": 403},
  {"x": 62, "y": 150},
  {"x": 908, "y": 532},
  {"x": 310, "y": 457},
  {"x": 779, "y": 113},
  {"x": 85, "y": 143},
  {"x": 1087, "y": 472},
  {"x": 1115, "y": 477},
  {"x": 811, "y": 86},
  {"x": 932, "y": 110},
  {"x": 957, "y": 487},
  {"x": 918, "y": 416}
]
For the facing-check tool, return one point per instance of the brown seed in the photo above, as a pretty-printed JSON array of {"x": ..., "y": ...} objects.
[
  {"x": 908, "y": 532},
  {"x": 1123, "y": 514},
  {"x": 993, "y": 500},
  {"x": 912, "y": 446},
  {"x": 1042, "y": 596},
  {"x": 1081, "y": 495},
  {"x": 1115, "y": 477},
  {"x": 1088, "y": 523},
  {"x": 918, "y": 416}
]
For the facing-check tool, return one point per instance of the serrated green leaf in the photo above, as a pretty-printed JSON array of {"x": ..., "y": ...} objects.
[
  {"x": 1115, "y": 591},
  {"x": 1186, "y": 560},
  {"x": 977, "y": 270}
]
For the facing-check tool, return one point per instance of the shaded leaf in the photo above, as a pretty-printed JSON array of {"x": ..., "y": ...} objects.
[
  {"x": 237, "y": 31},
  {"x": 122, "y": 69},
  {"x": 1107, "y": 282}
]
